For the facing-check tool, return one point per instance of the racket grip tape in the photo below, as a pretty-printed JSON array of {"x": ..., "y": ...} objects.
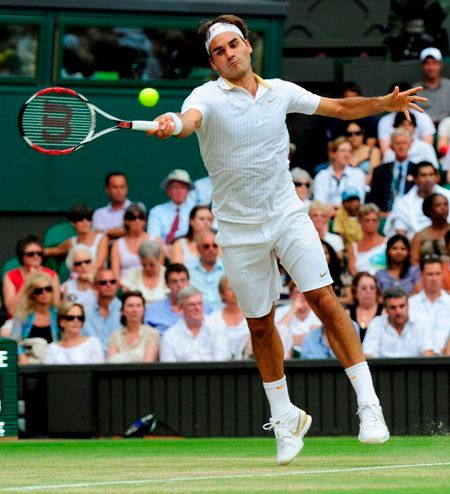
[{"x": 144, "y": 125}]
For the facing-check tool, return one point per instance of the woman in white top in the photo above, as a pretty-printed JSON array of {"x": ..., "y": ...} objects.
[
  {"x": 184, "y": 249},
  {"x": 124, "y": 252},
  {"x": 369, "y": 254},
  {"x": 81, "y": 218},
  {"x": 73, "y": 348},
  {"x": 134, "y": 342},
  {"x": 232, "y": 319},
  {"x": 80, "y": 285},
  {"x": 148, "y": 278}
]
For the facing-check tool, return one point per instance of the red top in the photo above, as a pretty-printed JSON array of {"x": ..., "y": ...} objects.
[{"x": 16, "y": 276}]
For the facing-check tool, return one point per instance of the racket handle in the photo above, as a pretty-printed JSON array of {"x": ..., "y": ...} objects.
[{"x": 144, "y": 125}]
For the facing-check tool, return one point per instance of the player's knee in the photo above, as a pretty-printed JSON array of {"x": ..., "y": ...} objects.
[
  {"x": 322, "y": 300},
  {"x": 261, "y": 328}
]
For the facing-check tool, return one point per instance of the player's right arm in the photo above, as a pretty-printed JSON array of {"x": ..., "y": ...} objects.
[{"x": 190, "y": 121}]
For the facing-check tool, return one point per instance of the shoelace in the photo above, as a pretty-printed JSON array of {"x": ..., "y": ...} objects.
[
  {"x": 370, "y": 419},
  {"x": 279, "y": 428}
]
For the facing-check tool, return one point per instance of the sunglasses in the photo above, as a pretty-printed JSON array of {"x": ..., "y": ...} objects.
[
  {"x": 75, "y": 219},
  {"x": 40, "y": 291},
  {"x": 350, "y": 133},
  {"x": 72, "y": 318},
  {"x": 34, "y": 253},
  {"x": 209, "y": 246},
  {"x": 302, "y": 184},
  {"x": 134, "y": 218},
  {"x": 79, "y": 263},
  {"x": 107, "y": 282}
]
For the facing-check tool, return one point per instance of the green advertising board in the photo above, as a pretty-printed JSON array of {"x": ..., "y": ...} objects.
[{"x": 8, "y": 388}]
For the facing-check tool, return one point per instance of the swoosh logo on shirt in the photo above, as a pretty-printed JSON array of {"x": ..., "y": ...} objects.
[
  {"x": 323, "y": 274},
  {"x": 272, "y": 99}
]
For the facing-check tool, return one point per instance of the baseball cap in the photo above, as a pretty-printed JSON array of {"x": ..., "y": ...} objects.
[
  {"x": 179, "y": 176},
  {"x": 431, "y": 52},
  {"x": 350, "y": 193}
]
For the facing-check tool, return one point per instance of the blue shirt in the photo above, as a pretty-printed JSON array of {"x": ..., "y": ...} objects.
[
  {"x": 207, "y": 282},
  {"x": 161, "y": 316},
  {"x": 96, "y": 325},
  {"x": 314, "y": 345},
  {"x": 162, "y": 216},
  {"x": 203, "y": 190}
]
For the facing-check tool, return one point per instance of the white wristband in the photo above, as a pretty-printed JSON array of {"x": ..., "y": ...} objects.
[{"x": 178, "y": 123}]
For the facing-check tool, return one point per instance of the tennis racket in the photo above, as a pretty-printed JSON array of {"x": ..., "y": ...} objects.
[{"x": 59, "y": 121}]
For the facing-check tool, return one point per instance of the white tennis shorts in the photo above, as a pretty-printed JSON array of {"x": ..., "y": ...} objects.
[{"x": 248, "y": 253}]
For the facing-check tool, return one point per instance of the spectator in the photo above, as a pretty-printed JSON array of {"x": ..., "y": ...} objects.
[
  {"x": 170, "y": 220},
  {"x": 297, "y": 317},
  {"x": 435, "y": 87},
  {"x": 192, "y": 339},
  {"x": 393, "y": 180},
  {"x": 149, "y": 277},
  {"x": 407, "y": 217},
  {"x": 124, "y": 252},
  {"x": 205, "y": 273},
  {"x": 303, "y": 184},
  {"x": 135, "y": 341},
  {"x": 346, "y": 222},
  {"x": 80, "y": 285},
  {"x": 424, "y": 129},
  {"x": 396, "y": 334},
  {"x": 74, "y": 347},
  {"x": 369, "y": 254},
  {"x": 433, "y": 302},
  {"x": 338, "y": 176},
  {"x": 231, "y": 319},
  {"x": 334, "y": 265},
  {"x": 366, "y": 301},
  {"x": 447, "y": 348},
  {"x": 431, "y": 240},
  {"x": 184, "y": 249},
  {"x": 399, "y": 271},
  {"x": 81, "y": 218},
  {"x": 419, "y": 150},
  {"x": 35, "y": 318},
  {"x": 109, "y": 219},
  {"x": 320, "y": 216},
  {"x": 446, "y": 266},
  {"x": 104, "y": 316},
  {"x": 29, "y": 252},
  {"x": 364, "y": 156},
  {"x": 203, "y": 191}
]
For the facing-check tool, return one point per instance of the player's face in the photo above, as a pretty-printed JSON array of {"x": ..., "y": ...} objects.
[
  {"x": 432, "y": 277},
  {"x": 193, "y": 308},
  {"x": 431, "y": 68},
  {"x": 426, "y": 178},
  {"x": 133, "y": 309},
  {"x": 398, "y": 251},
  {"x": 117, "y": 188},
  {"x": 397, "y": 311},
  {"x": 400, "y": 145},
  {"x": 230, "y": 55},
  {"x": 177, "y": 191}
]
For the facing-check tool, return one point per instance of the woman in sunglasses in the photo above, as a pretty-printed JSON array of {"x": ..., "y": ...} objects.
[
  {"x": 81, "y": 218},
  {"x": 29, "y": 251},
  {"x": 74, "y": 347},
  {"x": 364, "y": 156},
  {"x": 35, "y": 318},
  {"x": 80, "y": 285},
  {"x": 124, "y": 252},
  {"x": 303, "y": 184}
]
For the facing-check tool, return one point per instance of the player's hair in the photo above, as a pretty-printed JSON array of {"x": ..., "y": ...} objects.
[
  {"x": 227, "y": 19},
  {"x": 125, "y": 297},
  {"x": 190, "y": 233},
  {"x": 177, "y": 267},
  {"x": 350, "y": 86},
  {"x": 401, "y": 117},
  {"x": 337, "y": 142},
  {"x": 428, "y": 202},
  {"x": 114, "y": 174},
  {"x": 186, "y": 292},
  {"x": 355, "y": 283},
  {"x": 394, "y": 292},
  {"x": 23, "y": 243},
  {"x": 64, "y": 308},
  {"x": 418, "y": 166},
  {"x": 407, "y": 262},
  {"x": 430, "y": 259},
  {"x": 401, "y": 132}
]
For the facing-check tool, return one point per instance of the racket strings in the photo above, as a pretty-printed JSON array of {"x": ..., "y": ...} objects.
[{"x": 57, "y": 121}]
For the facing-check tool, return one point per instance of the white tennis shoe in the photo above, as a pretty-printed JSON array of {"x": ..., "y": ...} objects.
[
  {"x": 372, "y": 427},
  {"x": 289, "y": 434}
]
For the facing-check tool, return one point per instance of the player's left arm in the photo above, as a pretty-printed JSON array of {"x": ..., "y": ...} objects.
[{"x": 359, "y": 107}]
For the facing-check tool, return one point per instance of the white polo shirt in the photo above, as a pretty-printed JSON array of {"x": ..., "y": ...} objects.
[
  {"x": 179, "y": 345},
  {"x": 383, "y": 341},
  {"x": 328, "y": 189},
  {"x": 244, "y": 143},
  {"x": 438, "y": 315}
]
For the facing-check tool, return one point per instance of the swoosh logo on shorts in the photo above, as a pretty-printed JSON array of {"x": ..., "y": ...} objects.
[{"x": 323, "y": 274}]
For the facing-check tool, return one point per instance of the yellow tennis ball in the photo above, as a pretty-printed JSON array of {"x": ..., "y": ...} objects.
[{"x": 148, "y": 97}]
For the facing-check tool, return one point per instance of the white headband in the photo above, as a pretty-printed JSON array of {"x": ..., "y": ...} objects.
[{"x": 219, "y": 28}]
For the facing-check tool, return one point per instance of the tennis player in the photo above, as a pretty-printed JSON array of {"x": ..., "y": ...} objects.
[{"x": 240, "y": 124}]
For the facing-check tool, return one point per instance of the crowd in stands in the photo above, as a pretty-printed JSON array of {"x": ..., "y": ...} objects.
[{"x": 148, "y": 287}]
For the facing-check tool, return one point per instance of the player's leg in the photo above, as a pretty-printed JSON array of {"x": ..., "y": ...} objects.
[{"x": 301, "y": 253}]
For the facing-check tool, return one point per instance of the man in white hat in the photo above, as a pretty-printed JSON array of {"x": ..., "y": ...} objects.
[
  {"x": 170, "y": 220},
  {"x": 435, "y": 87},
  {"x": 240, "y": 121}
]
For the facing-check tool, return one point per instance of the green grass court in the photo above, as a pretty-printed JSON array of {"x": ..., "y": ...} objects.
[{"x": 404, "y": 464}]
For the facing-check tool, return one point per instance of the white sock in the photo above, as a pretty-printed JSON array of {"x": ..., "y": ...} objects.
[
  {"x": 278, "y": 396},
  {"x": 361, "y": 380}
]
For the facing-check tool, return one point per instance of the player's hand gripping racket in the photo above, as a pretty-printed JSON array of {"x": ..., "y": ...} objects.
[{"x": 58, "y": 121}]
